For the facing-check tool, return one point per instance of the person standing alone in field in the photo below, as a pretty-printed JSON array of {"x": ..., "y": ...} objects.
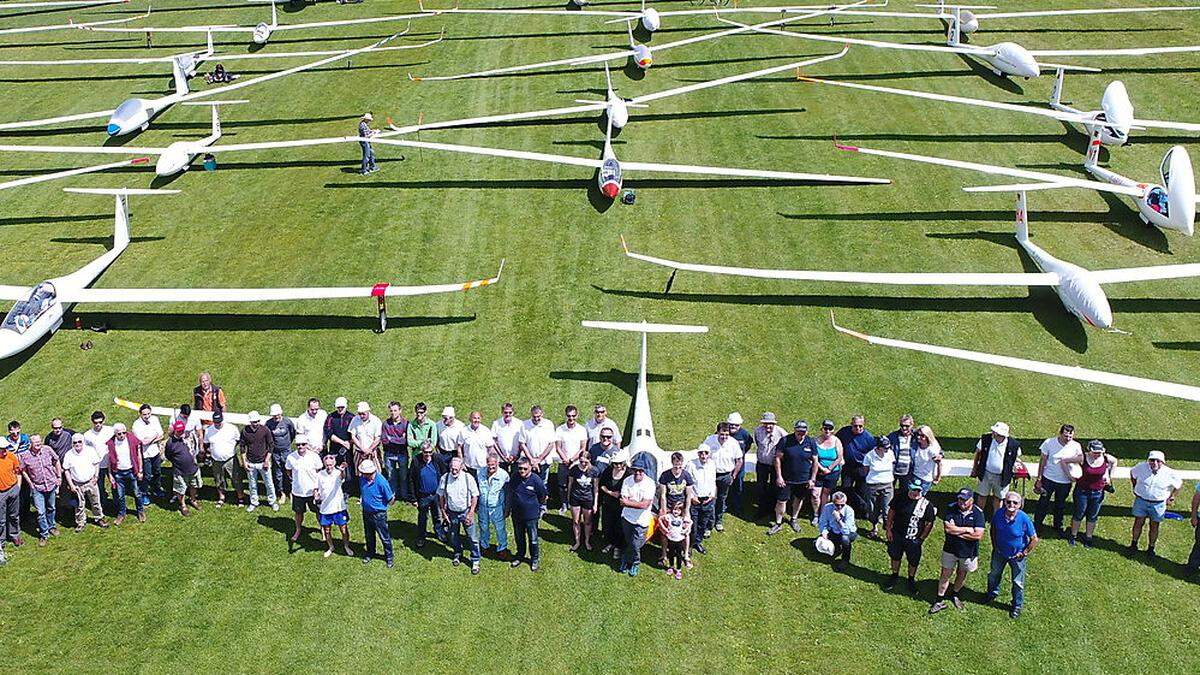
[{"x": 368, "y": 153}]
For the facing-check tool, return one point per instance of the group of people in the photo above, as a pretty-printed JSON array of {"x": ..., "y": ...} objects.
[{"x": 472, "y": 484}]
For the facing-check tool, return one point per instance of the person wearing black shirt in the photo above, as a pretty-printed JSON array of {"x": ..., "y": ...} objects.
[
  {"x": 964, "y": 523},
  {"x": 907, "y": 525},
  {"x": 795, "y": 471}
]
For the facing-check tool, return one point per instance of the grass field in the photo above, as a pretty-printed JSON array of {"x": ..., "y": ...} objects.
[{"x": 220, "y": 592}]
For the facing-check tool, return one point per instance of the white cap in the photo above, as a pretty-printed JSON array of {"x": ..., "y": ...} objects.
[
  {"x": 254, "y": 416},
  {"x": 363, "y": 406},
  {"x": 1000, "y": 428},
  {"x": 276, "y": 409},
  {"x": 119, "y": 427},
  {"x": 619, "y": 456},
  {"x": 368, "y": 116},
  {"x": 341, "y": 402},
  {"x": 824, "y": 545},
  {"x": 734, "y": 418},
  {"x": 76, "y": 437},
  {"x": 448, "y": 411},
  {"x": 367, "y": 466},
  {"x": 301, "y": 438},
  {"x": 1156, "y": 454},
  {"x": 4, "y": 441}
]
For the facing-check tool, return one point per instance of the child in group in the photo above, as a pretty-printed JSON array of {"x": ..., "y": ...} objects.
[
  {"x": 332, "y": 501},
  {"x": 675, "y": 526}
]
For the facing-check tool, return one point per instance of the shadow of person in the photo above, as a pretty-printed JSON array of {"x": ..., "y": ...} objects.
[{"x": 285, "y": 525}]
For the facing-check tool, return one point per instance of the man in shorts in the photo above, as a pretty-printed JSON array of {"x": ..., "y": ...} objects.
[
  {"x": 907, "y": 525},
  {"x": 795, "y": 469},
  {"x": 964, "y": 523},
  {"x": 302, "y": 466},
  {"x": 996, "y": 456},
  {"x": 186, "y": 471}
]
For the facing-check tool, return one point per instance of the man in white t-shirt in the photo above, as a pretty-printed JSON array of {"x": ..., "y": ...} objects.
[
  {"x": 148, "y": 430},
  {"x": 637, "y": 495},
  {"x": 537, "y": 441},
  {"x": 474, "y": 444},
  {"x": 505, "y": 431},
  {"x": 598, "y": 422},
  {"x": 570, "y": 441},
  {"x": 302, "y": 465},
  {"x": 81, "y": 466},
  {"x": 221, "y": 441},
  {"x": 1154, "y": 488},
  {"x": 96, "y": 438},
  {"x": 1053, "y": 481},
  {"x": 728, "y": 458},
  {"x": 366, "y": 434},
  {"x": 704, "y": 473},
  {"x": 311, "y": 423},
  {"x": 449, "y": 432}
]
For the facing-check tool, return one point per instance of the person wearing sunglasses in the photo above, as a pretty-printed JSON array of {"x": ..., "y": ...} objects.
[
  {"x": 1013, "y": 539},
  {"x": 1094, "y": 479},
  {"x": 964, "y": 524}
]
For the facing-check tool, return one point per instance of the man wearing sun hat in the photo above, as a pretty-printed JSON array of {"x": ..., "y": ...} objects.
[
  {"x": 366, "y": 435},
  {"x": 368, "y": 153},
  {"x": 767, "y": 436},
  {"x": 449, "y": 434},
  {"x": 1154, "y": 488},
  {"x": 283, "y": 432},
  {"x": 745, "y": 439},
  {"x": 377, "y": 495},
  {"x": 996, "y": 454}
]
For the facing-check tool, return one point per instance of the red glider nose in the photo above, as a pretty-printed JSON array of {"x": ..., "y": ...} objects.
[{"x": 610, "y": 190}]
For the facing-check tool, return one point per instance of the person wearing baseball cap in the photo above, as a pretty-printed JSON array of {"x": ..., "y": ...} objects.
[
  {"x": 302, "y": 465},
  {"x": 767, "y": 436},
  {"x": 1092, "y": 472},
  {"x": 611, "y": 479},
  {"x": 368, "y": 153},
  {"x": 449, "y": 434},
  {"x": 221, "y": 441},
  {"x": 1154, "y": 488},
  {"x": 637, "y": 496},
  {"x": 283, "y": 432},
  {"x": 877, "y": 484},
  {"x": 793, "y": 475},
  {"x": 908, "y": 523},
  {"x": 964, "y": 523},
  {"x": 185, "y": 471},
  {"x": 337, "y": 436},
  {"x": 996, "y": 454},
  {"x": 256, "y": 443},
  {"x": 744, "y": 439}
]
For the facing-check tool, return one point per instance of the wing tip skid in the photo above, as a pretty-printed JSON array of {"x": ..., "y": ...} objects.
[{"x": 847, "y": 331}]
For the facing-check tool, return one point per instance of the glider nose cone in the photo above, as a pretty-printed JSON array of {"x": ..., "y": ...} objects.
[
  {"x": 610, "y": 190},
  {"x": 113, "y": 129}
]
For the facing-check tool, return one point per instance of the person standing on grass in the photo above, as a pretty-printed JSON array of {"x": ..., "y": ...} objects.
[
  {"x": 368, "y": 153},
  {"x": 221, "y": 442},
  {"x": 493, "y": 505},
  {"x": 10, "y": 498},
  {"x": 744, "y": 439},
  {"x": 1193, "y": 564},
  {"x": 908, "y": 524},
  {"x": 674, "y": 525},
  {"x": 149, "y": 433},
  {"x": 331, "y": 504},
  {"x": 1094, "y": 480},
  {"x": 1154, "y": 488},
  {"x": 59, "y": 438},
  {"x": 704, "y": 496},
  {"x": 727, "y": 458},
  {"x": 422, "y": 429},
  {"x": 81, "y": 469},
  {"x": 611, "y": 480},
  {"x": 425, "y": 474},
  {"x": 1013, "y": 539},
  {"x": 637, "y": 496},
  {"x": 208, "y": 396},
  {"x": 904, "y": 445},
  {"x": 877, "y": 484},
  {"x": 125, "y": 461},
  {"x": 836, "y": 525},
  {"x": 394, "y": 436},
  {"x": 337, "y": 435},
  {"x": 676, "y": 486},
  {"x": 1053, "y": 481},
  {"x": 43, "y": 473},
  {"x": 830, "y": 459},
  {"x": 377, "y": 495},
  {"x": 505, "y": 430},
  {"x": 96, "y": 438},
  {"x": 283, "y": 432},
  {"x": 18, "y": 444},
  {"x": 183, "y": 464},
  {"x": 311, "y": 425},
  {"x": 449, "y": 433},
  {"x": 255, "y": 457},
  {"x": 302, "y": 466},
  {"x": 537, "y": 441},
  {"x": 927, "y": 459},
  {"x": 996, "y": 455},
  {"x": 527, "y": 495},
  {"x": 582, "y": 496},
  {"x": 475, "y": 444},
  {"x": 458, "y": 498},
  {"x": 964, "y": 524},
  {"x": 767, "y": 436},
  {"x": 570, "y": 441},
  {"x": 366, "y": 436},
  {"x": 856, "y": 443},
  {"x": 795, "y": 474}
]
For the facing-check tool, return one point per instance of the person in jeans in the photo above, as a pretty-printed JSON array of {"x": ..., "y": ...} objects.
[
  {"x": 493, "y": 503},
  {"x": 1193, "y": 564},
  {"x": 149, "y": 433},
  {"x": 727, "y": 459},
  {"x": 744, "y": 439},
  {"x": 1053, "y": 481},
  {"x": 394, "y": 436},
  {"x": 256, "y": 443},
  {"x": 637, "y": 496},
  {"x": 1094, "y": 480},
  {"x": 283, "y": 433},
  {"x": 376, "y": 496},
  {"x": 904, "y": 447},
  {"x": 767, "y": 436},
  {"x": 704, "y": 497},
  {"x": 877, "y": 485},
  {"x": 458, "y": 498},
  {"x": 527, "y": 495},
  {"x": 81, "y": 468},
  {"x": 43, "y": 473},
  {"x": 424, "y": 474},
  {"x": 125, "y": 463},
  {"x": 836, "y": 524},
  {"x": 10, "y": 498},
  {"x": 1013, "y": 539}
]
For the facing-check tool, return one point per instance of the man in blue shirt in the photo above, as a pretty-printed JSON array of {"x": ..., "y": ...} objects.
[
  {"x": 1013, "y": 539},
  {"x": 837, "y": 525},
  {"x": 856, "y": 442},
  {"x": 376, "y": 496},
  {"x": 526, "y": 498},
  {"x": 423, "y": 474}
]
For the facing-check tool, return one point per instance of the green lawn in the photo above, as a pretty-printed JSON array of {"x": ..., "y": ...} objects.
[{"x": 220, "y": 591}]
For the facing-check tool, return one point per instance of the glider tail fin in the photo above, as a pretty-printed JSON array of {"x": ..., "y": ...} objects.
[
  {"x": 1022, "y": 217},
  {"x": 180, "y": 75},
  {"x": 1056, "y": 92},
  {"x": 209, "y": 44},
  {"x": 1093, "y": 151},
  {"x": 955, "y": 28},
  {"x": 274, "y": 15}
]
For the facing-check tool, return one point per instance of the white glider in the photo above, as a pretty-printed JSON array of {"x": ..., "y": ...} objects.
[
  {"x": 262, "y": 32},
  {"x": 1080, "y": 290},
  {"x": 60, "y": 3},
  {"x": 137, "y": 113},
  {"x": 642, "y": 55},
  {"x": 1114, "y": 119},
  {"x": 1142, "y": 384},
  {"x": 1003, "y": 58},
  {"x": 70, "y": 24},
  {"x": 39, "y": 310},
  {"x": 41, "y": 178},
  {"x": 1171, "y": 205},
  {"x": 643, "y": 445}
]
